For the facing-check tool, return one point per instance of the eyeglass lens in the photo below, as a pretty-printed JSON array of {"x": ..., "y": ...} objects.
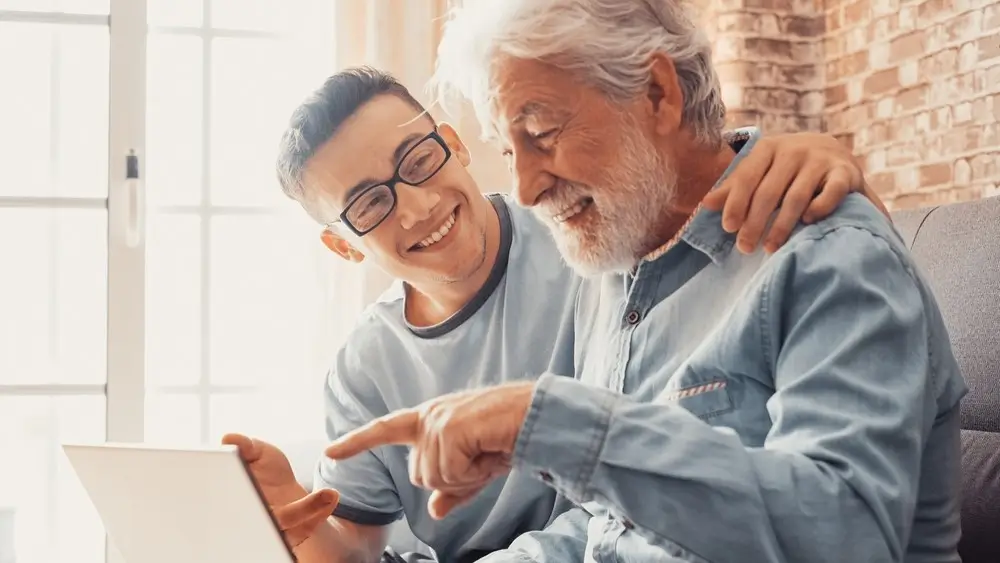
[{"x": 419, "y": 164}]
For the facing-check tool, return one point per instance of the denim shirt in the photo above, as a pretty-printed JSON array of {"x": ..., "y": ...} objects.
[{"x": 795, "y": 407}]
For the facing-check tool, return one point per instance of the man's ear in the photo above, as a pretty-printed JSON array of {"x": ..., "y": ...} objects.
[
  {"x": 454, "y": 143},
  {"x": 341, "y": 247},
  {"x": 664, "y": 95}
]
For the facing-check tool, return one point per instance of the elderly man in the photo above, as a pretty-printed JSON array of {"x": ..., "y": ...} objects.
[
  {"x": 483, "y": 298},
  {"x": 797, "y": 406}
]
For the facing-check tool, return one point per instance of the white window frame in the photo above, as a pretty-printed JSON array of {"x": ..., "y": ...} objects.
[
  {"x": 126, "y": 351},
  {"x": 126, "y": 266},
  {"x": 125, "y": 390}
]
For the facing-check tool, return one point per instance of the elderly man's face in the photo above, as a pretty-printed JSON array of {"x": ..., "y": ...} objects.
[{"x": 587, "y": 166}]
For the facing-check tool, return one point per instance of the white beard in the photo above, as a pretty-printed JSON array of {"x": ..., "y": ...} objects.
[{"x": 629, "y": 200}]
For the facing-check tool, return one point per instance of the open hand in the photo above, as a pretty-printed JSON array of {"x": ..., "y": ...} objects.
[
  {"x": 460, "y": 442},
  {"x": 807, "y": 175},
  {"x": 297, "y": 511}
]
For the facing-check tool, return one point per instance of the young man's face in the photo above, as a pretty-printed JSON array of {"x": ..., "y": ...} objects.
[{"x": 436, "y": 232}]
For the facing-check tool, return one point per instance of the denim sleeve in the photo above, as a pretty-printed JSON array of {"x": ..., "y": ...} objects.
[
  {"x": 562, "y": 541},
  {"x": 844, "y": 328}
]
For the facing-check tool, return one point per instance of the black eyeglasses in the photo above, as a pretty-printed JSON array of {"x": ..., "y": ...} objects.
[{"x": 368, "y": 209}]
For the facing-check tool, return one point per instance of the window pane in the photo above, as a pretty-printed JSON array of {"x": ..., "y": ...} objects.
[
  {"x": 276, "y": 414},
  {"x": 173, "y": 300},
  {"x": 68, "y": 6},
  {"x": 265, "y": 299},
  {"x": 264, "y": 15},
  {"x": 55, "y": 123},
  {"x": 172, "y": 418},
  {"x": 53, "y": 296},
  {"x": 174, "y": 119},
  {"x": 275, "y": 16},
  {"x": 174, "y": 12},
  {"x": 82, "y": 112},
  {"x": 247, "y": 80},
  {"x": 256, "y": 83},
  {"x": 54, "y": 519}
]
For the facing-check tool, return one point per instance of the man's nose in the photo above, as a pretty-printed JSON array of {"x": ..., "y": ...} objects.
[
  {"x": 414, "y": 205},
  {"x": 530, "y": 178}
]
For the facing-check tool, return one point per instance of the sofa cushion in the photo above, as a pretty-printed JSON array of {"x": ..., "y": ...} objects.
[
  {"x": 981, "y": 501},
  {"x": 956, "y": 248}
]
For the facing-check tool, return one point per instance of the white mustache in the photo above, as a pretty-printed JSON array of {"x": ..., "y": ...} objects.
[{"x": 560, "y": 198}]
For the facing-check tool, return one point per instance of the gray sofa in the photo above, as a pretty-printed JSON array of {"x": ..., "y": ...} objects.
[{"x": 957, "y": 247}]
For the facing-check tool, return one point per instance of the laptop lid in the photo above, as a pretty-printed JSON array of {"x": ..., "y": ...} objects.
[{"x": 166, "y": 505}]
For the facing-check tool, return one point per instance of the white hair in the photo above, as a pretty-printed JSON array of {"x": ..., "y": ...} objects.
[{"x": 608, "y": 43}]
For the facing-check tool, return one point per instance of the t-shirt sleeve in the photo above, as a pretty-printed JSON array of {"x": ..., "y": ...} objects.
[{"x": 367, "y": 492}]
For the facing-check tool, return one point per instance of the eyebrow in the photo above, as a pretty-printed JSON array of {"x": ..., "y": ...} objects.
[
  {"x": 397, "y": 155},
  {"x": 531, "y": 109}
]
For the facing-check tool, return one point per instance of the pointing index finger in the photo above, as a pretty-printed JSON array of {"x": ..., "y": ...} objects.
[{"x": 398, "y": 428}]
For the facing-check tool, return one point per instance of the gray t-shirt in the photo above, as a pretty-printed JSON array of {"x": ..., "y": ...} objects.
[{"x": 518, "y": 326}]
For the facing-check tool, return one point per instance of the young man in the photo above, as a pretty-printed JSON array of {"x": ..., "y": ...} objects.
[{"x": 484, "y": 298}]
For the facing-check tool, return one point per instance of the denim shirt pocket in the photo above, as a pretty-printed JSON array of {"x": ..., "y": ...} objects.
[{"x": 705, "y": 399}]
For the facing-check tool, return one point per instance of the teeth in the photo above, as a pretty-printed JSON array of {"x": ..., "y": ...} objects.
[
  {"x": 570, "y": 212},
  {"x": 439, "y": 234}
]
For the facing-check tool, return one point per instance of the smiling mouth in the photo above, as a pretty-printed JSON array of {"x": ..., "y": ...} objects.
[
  {"x": 573, "y": 210},
  {"x": 438, "y": 235}
]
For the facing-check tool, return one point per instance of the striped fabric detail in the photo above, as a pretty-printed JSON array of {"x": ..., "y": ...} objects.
[
  {"x": 735, "y": 137},
  {"x": 693, "y": 391},
  {"x": 673, "y": 240}
]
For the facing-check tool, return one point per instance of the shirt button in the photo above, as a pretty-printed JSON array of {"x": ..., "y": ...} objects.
[
  {"x": 632, "y": 317},
  {"x": 546, "y": 476}
]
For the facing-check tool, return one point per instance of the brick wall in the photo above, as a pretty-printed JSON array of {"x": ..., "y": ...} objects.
[
  {"x": 768, "y": 54},
  {"x": 912, "y": 85}
]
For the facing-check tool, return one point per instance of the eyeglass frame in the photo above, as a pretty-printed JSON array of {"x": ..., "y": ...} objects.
[{"x": 391, "y": 185}]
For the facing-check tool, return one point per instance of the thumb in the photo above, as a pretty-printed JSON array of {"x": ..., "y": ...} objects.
[
  {"x": 249, "y": 450},
  {"x": 317, "y": 505},
  {"x": 441, "y": 504}
]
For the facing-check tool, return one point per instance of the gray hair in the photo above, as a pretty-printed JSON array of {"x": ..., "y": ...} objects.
[{"x": 608, "y": 43}]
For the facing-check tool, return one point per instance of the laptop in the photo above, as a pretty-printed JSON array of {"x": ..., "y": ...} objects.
[{"x": 173, "y": 505}]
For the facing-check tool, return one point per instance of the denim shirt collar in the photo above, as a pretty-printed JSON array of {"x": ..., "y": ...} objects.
[{"x": 705, "y": 233}]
